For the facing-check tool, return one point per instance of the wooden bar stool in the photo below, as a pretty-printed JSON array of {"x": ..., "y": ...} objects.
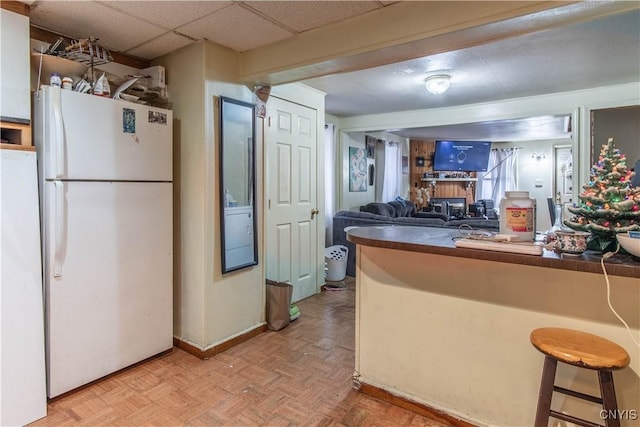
[{"x": 583, "y": 350}]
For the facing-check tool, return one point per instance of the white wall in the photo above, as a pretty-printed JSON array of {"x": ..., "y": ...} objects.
[
  {"x": 185, "y": 74},
  {"x": 234, "y": 302},
  {"x": 209, "y": 308}
]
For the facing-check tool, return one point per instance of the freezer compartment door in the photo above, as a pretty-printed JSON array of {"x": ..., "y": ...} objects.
[
  {"x": 86, "y": 137},
  {"x": 108, "y": 278}
]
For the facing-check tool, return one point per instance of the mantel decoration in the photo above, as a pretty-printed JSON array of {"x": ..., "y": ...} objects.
[{"x": 608, "y": 204}]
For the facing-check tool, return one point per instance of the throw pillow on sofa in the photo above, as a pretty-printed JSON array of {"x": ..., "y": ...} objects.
[
  {"x": 403, "y": 208},
  {"x": 383, "y": 209}
]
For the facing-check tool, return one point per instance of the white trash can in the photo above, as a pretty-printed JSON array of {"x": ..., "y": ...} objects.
[{"x": 335, "y": 261}]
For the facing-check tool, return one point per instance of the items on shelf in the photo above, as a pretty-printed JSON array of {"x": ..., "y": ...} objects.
[
  {"x": 86, "y": 51},
  {"x": 74, "y": 66}
]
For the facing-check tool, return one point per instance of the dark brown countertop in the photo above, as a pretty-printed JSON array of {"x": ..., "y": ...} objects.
[{"x": 441, "y": 241}]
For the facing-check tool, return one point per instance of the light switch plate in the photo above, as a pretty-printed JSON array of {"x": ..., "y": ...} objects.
[{"x": 538, "y": 183}]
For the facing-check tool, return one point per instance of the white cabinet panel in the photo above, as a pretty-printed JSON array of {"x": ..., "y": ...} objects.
[
  {"x": 23, "y": 396},
  {"x": 14, "y": 68}
]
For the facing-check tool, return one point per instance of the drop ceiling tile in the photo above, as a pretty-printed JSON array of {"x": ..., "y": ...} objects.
[
  {"x": 159, "y": 46},
  {"x": 81, "y": 19},
  {"x": 168, "y": 14},
  {"x": 236, "y": 28},
  {"x": 306, "y": 15}
]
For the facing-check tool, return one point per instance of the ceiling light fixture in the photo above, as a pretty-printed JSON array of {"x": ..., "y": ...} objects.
[{"x": 438, "y": 84}]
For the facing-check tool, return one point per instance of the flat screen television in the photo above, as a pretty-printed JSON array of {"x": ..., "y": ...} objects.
[{"x": 470, "y": 156}]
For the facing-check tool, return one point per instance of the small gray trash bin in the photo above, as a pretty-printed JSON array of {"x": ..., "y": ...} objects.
[{"x": 335, "y": 260}]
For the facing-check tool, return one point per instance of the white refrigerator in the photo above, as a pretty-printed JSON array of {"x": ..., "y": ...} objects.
[{"x": 105, "y": 182}]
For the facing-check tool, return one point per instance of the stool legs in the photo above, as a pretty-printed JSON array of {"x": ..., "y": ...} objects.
[
  {"x": 547, "y": 387},
  {"x": 546, "y": 392},
  {"x": 608, "y": 393}
]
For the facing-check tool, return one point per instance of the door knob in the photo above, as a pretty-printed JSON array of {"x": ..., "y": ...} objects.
[{"x": 314, "y": 212}]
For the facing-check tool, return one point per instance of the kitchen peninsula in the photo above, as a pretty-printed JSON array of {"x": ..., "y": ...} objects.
[{"x": 448, "y": 328}]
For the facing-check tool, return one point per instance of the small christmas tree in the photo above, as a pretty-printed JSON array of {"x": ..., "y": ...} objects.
[{"x": 608, "y": 203}]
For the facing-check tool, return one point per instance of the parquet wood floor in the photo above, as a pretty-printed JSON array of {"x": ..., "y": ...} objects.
[{"x": 299, "y": 376}]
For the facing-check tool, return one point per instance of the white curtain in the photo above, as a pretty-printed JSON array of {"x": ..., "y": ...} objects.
[
  {"x": 392, "y": 184},
  {"x": 500, "y": 176},
  {"x": 329, "y": 181}
]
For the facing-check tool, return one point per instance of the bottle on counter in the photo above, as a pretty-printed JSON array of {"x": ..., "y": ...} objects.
[
  {"x": 557, "y": 224},
  {"x": 102, "y": 87},
  {"x": 67, "y": 83},
  {"x": 55, "y": 80},
  {"x": 518, "y": 215}
]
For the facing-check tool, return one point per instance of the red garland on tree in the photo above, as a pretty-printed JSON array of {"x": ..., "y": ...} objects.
[{"x": 608, "y": 203}]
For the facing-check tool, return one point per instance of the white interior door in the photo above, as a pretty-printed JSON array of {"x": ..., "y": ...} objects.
[{"x": 291, "y": 174}]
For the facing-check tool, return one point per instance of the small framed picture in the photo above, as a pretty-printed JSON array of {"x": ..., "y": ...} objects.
[
  {"x": 420, "y": 162},
  {"x": 371, "y": 147},
  {"x": 357, "y": 170}
]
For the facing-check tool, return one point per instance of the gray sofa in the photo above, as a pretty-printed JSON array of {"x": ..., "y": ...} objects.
[{"x": 395, "y": 213}]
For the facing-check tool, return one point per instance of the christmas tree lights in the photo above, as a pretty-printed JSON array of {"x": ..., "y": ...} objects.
[{"x": 608, "y": 204}]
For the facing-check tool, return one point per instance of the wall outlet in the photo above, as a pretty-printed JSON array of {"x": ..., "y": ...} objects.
[{"x": 538, "y": 183}]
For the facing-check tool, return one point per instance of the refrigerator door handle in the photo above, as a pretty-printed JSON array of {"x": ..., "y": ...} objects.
[
  {"x": 58, "y": 132},
  {"x": 58, "y": 231}
]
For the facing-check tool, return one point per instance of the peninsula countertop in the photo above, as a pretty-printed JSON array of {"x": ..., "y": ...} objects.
[
  {"x": 447, "y": 329},
  {"x": 441, "y": 241}
]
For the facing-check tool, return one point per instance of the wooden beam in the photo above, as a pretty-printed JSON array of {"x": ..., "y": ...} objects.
[
  {"x": 15, "y": 6},
  {"x": 121, "y": 58}
]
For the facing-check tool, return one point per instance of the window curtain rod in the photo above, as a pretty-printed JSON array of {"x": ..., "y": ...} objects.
[
  {"x": 513, "y": 151},
  {"x": 510, "y": 148}
]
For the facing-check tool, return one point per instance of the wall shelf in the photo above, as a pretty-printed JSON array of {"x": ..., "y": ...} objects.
[
  {"x": 461, "y": 187},
  {"x": 467, "y": 182},
  {"x": 16, "y": 135},
  {"x": 448, "y": 179}
]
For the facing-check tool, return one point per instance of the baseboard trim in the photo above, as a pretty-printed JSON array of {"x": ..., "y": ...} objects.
[
  {"x": 425, "y": 410},
  {"x": 217, "y": 349}
]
